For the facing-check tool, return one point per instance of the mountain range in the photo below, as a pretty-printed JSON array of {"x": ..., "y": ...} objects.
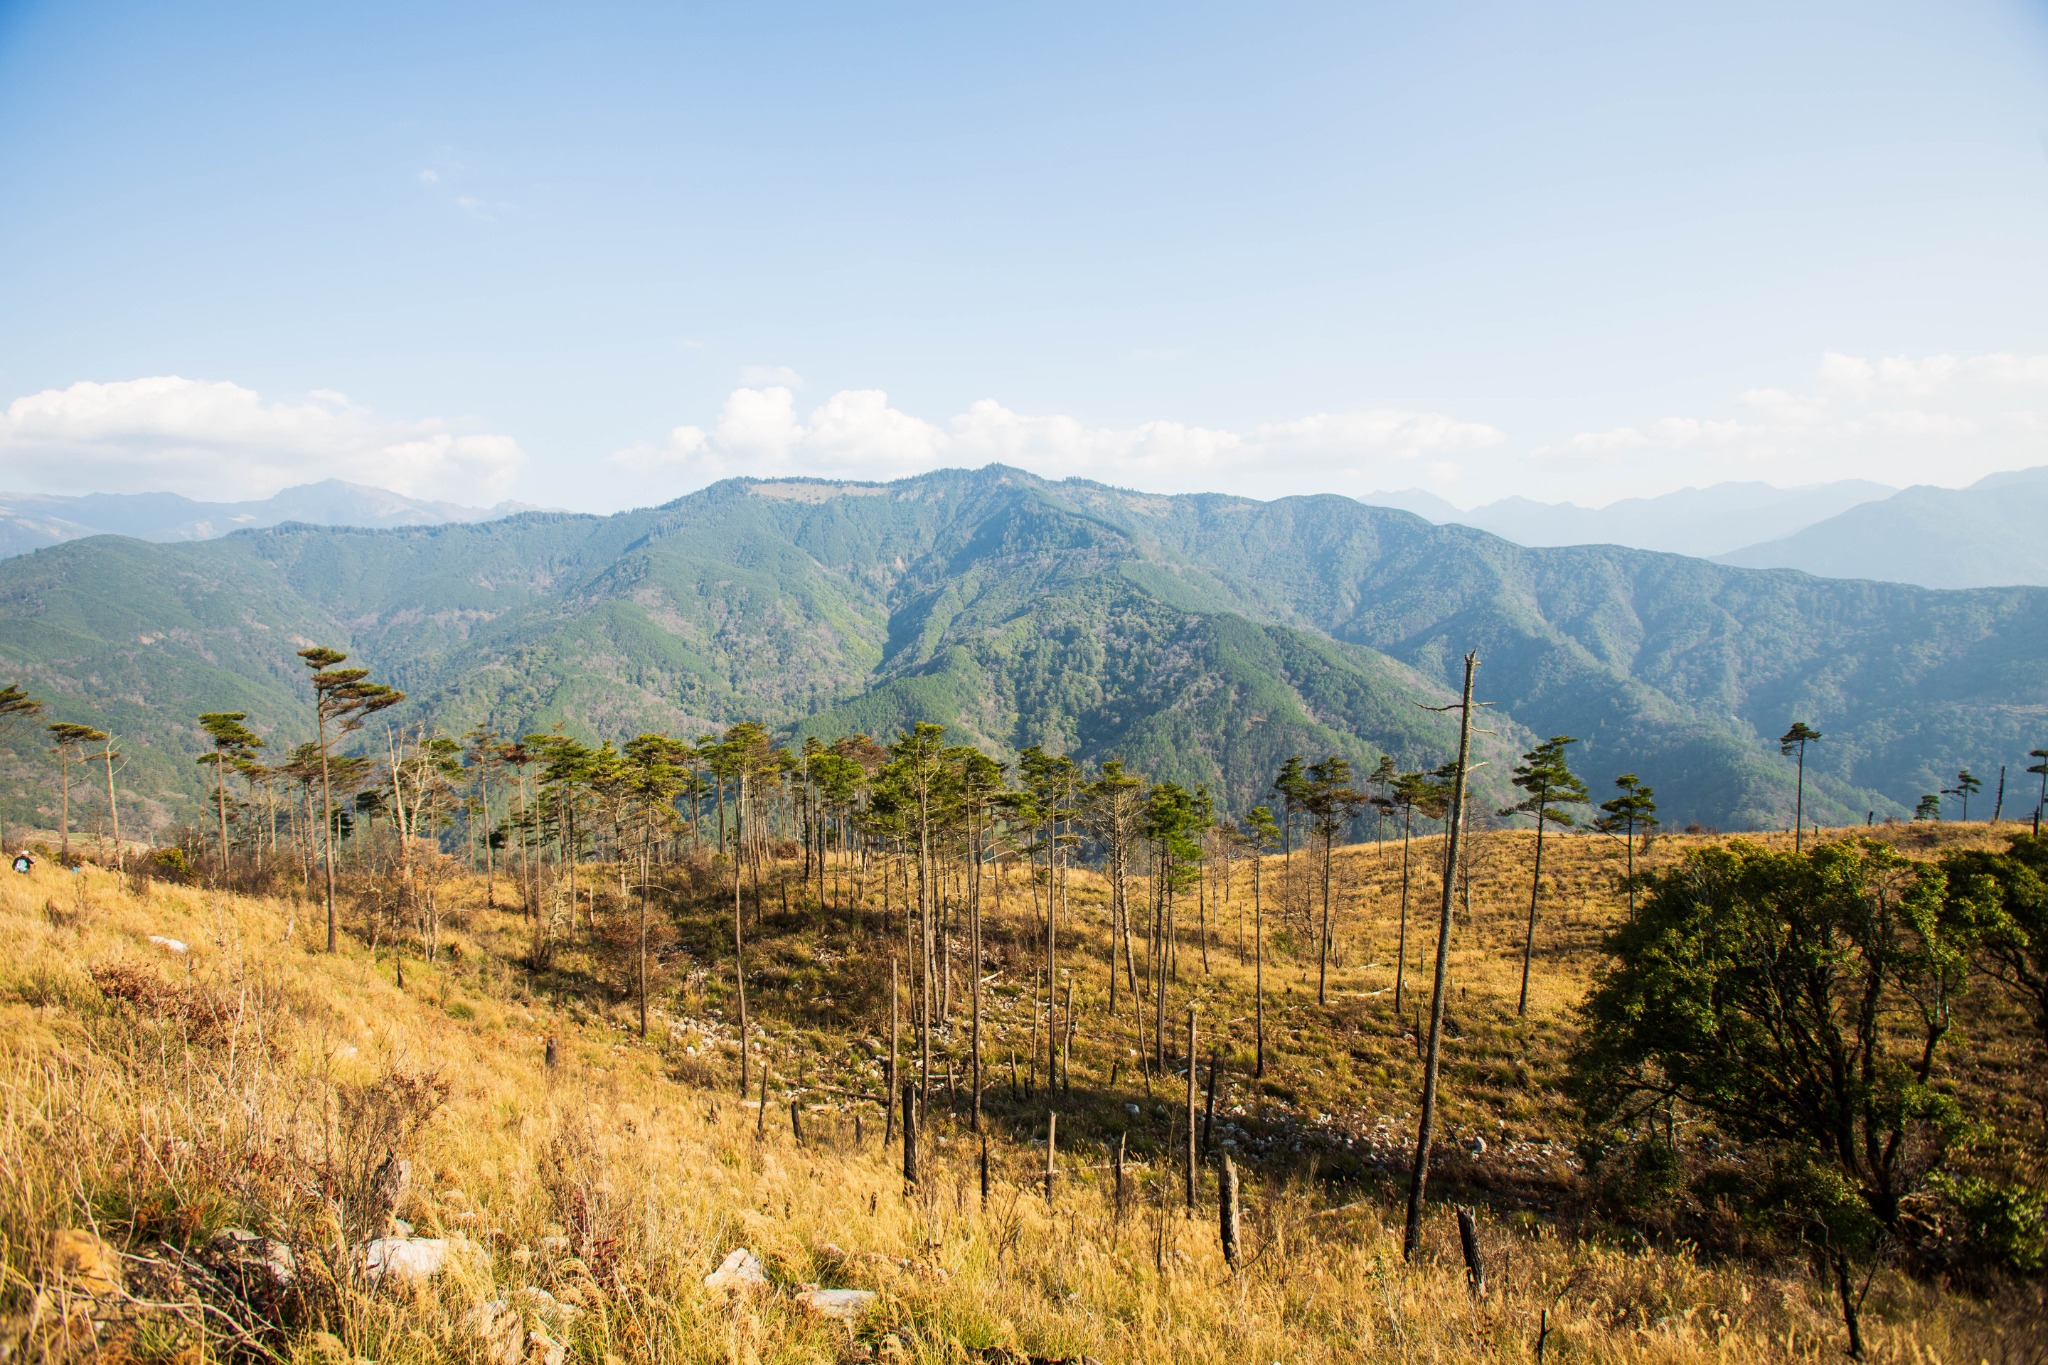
[
  {"x": 31, "y": 521},
  {"x": 1995, "y": 531},
  {"x": 1202, "y": 638},
  {"x": 1986, "y": 535}
]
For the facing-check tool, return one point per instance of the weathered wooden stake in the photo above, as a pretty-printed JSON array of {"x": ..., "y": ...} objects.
[
  {"x": 1226, "y": 1207},
  {"x": 857, "y": 1138},
  {"x": 796, "y": 1120},
  {"x": 909, "y": 1134},
  {"x": 1468, "y": 1237},
  {"x": 551, "y": 1052},
  {"x": 984, "y": 1169},
  {"x": 1052, "y": 1133},
  {"x": 761, "y": 1119}
]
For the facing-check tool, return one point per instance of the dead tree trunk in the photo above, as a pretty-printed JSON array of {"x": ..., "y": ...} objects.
[
  {"x": 1418, "y": 1176},
  {"x": 1227, "y": 1212}
]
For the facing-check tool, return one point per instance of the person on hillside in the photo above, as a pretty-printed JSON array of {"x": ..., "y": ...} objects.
[{"x": 24, "y": 863}]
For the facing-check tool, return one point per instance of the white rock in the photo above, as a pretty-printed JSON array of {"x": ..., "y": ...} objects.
[
  {"x": 844, "y": 1304},
  {"x": 409, "y": 1258},
  {"x": 741, "y": 1271},
  {"x": 169, "y": 943}
]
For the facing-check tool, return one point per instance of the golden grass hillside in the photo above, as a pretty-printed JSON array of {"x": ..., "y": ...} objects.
[{"x": 156, "y": 1098}]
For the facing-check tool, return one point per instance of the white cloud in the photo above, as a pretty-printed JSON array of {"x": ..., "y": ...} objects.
[
  {"x": 212, "y": 439},
  {"x": 1946, "y": 419},
  {"x": 857, "y": 434}
]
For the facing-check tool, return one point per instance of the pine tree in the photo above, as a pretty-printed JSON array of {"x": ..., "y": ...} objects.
[
  {"x": 1929, "y": 807},
  {"x": 233, "y": 743},
  {"x": 1263, "y": 833},
  {"x": 1328, "y": 797},
  {"x": 16, "y": 706},
  {"x": 1634, "y": 809},
  {"x": 343, "y": 698},
  {"x": 1794, "y": 741},
  {"x": 69, "y": 741},
  {"x": 1550, "y": 783},
  {"x": 1966, "y": 786}
]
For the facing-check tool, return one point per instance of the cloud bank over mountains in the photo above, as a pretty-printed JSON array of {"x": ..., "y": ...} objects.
[
  {"x": 211, "y": 439},
  {"x": 1897, "y": 420}
]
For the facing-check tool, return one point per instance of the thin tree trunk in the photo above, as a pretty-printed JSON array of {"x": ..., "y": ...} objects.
[
  {"x": 1418, "y": 1178},
  {"x": 1529, "y": 944}
]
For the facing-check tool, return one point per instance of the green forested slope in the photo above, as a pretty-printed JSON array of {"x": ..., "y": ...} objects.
[{"x": 1200, "y": 638}]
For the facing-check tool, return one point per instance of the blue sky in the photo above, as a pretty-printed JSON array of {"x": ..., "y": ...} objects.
[{"x": 596, "y": 255}]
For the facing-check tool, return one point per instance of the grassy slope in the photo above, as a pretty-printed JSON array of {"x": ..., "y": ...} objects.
[{"x": 150, "y": 1125}]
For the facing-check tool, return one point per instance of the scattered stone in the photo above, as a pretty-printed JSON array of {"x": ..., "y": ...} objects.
[
  {"x": 740, "y": 1272},
  {"x": 409, "y": 1258},
  {"x": 828, "y": 1251},
  {"x": 85, "y": 1262},
  {"x": 554, "y": 1246},
  {"x": 844, "y": 1304},
  {"x": 169, "y": 944}
]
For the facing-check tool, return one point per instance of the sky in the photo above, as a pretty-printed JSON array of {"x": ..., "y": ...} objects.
[{"x": 596, "y": 256}]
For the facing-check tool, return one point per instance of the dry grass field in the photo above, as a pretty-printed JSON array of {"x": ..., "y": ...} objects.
[{"x": 155, "y": 1095}]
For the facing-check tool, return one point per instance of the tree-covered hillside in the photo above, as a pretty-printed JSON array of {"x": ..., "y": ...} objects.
[{"x": 1200, "y": 638}]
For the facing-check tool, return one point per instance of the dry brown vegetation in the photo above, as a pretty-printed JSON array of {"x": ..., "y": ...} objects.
[{"x": 156, "y": 1098}]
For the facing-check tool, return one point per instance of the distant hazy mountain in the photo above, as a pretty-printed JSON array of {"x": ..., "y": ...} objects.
[
  {"x": 1692, "y": 521},
  {"x": 30, "y": 521},
  {"x": 1992, "y": 534}
]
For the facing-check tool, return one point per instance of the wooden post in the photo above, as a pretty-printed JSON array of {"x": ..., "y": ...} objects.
[
  {"x": 761, "y": 1119},
  {"x": 1192, "y": 1169},
  {"x": 1468, "y": 1238},
  {"x": 984, "y": 1169},
  {"x": 796, "y": 1119},
  {"x": 1226, "y": 1207},
  {"x": 857, "y": 1137},
  {"x": 909, "y": 1134},
  {"x": 551, "y": 1052},
  {"x": 1052, "y": 1134}
]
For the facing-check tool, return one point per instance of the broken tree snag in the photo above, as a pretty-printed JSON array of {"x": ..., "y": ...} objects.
[
  {"x": 1227, "y": 1213},
  {"x": 1209, "y": 1109},
  {"x": 761, "y": 1119},
  {"x": 1119, "y": 1168},
  {"x": 1192, "y": 1169},
  {"x": 1052, "y": 1130},
  {"x": 909, "y": 1134},
  {"x": 1468, "y": 1238}
]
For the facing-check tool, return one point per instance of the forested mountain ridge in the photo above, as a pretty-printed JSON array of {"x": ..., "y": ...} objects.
[{"x": 1199, "y": 637}]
